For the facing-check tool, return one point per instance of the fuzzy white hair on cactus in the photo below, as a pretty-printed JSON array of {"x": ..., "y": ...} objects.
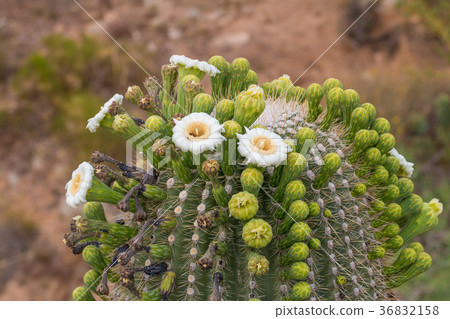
[
  {"x": 197, "y": 133},
  {"x": 209, "y": 69},
  {"x": 262, "y": 147},
  {"x": 94, "y": 122},
  {"x": 408, "y": 167},
  {"x": 78, "y": 186}
]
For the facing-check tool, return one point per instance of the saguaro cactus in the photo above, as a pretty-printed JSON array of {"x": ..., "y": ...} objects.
[{"x": 271, "y": 193}]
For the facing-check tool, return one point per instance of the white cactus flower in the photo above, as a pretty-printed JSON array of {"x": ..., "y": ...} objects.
[
  {"x": 197, "y": 133},
  {"x": 262, "y": 147},
  {"x": 406, "y": 166},
  {"x": 94, "y": 123},
  {"x": 78, "y": 186},
  {"x": 209, "y": 69},
  {"x": 437, "y": 206}
]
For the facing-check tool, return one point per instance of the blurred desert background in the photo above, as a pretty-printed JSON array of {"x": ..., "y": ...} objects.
[{"x": 57, "y": 67}]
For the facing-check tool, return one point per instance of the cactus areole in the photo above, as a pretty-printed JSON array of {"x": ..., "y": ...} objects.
[{"x": 270, "y": 192}]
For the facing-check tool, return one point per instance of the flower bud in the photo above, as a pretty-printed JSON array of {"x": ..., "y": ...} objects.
[
  {"x": 243, "y": 205},
  {"x": 257, "y": 233}
]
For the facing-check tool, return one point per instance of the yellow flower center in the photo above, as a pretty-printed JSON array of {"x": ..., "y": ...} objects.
[
  {"x": 263, "y": 145},
  {"x": 76, "y": 183},
  {"x": 197, "y": 131}
]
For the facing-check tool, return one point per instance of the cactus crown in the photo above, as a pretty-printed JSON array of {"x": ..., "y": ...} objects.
[{"x": 275, "y": 193}]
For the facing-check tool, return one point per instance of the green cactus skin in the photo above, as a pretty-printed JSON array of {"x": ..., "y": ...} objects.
[{"x": 333, "y": 221}]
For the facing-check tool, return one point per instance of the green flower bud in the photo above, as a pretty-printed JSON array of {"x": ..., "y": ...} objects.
[
  {"x": 371, "y": 110},
  {"x": 393, "y": 243},
  {"x": 351, "y": 103},
  {"x": 156, "y": 123},
  {"x": 249, "y": 105},
  {"x": 252, "y": 180},
  {"x": 374, "y": 138},
  {"x": 335, "y": 100},
  {"x": 82, "y": 294},
  {"x": 296, "y": 93},
  {"x": 167, "y": 284},
  {"x": 392, "y": 213},
  {"x": 91, "y": 279},
  {"x": 305, "y": 135},
  {"x": 231, "y": 129},
  {"x": 220, "y": 83},
  {"x": 386, "y": 142},
  {"x": 392, "y": 180},
  {"x": 330, "y": 84},
  {"x": 341, "y": 281},
  {"x": 300, "y": 231},
  {"x": 406, "y": 258},
  {"x": 220, "y": 195},
  {"x": 297, "y": 252},
  {"x": 134, "y": 94},
  {"x": 94, "y": 211},
  {"x": 392, "y": 164},
  {"x": 314, "y": 209},
  {"x": 417, "y": 247},
  {"x": 406, "y": 187},
  {"x": 381, "y": 125},
  {"x": 359, "y": 120},
  {"x": 239, "y": 70},
  {"x": 250, "y": 78},
  {"x": 388, "y": 231},
  {"x": 243, "y": 205},
  {"x": 203, "y": 102},
  {"x": 257, "y": 264},
  {"x": 360, "y": 143},
  {"x": 192, "y": 87},
  {"x": 125, "y": 126},
  {"x": 257, "y": 233},
  {"x": 295, "y": 165},
  {"x": 295, "y": 190},
  {"x": 298, "y": 211},
  {"x": 314, "y": 93},
  {"x": 378, "y": 206},
  {"x": 224, "y": 110},
  {"x": 376, "y": 253},
  {"x": 314, "y": 243},
  {"x": 327, "y": 213},
  {"x": 420, "y": 222},
  {"x": 332, "y": 162},
  {"x": 379, "y": 175},
  {"x": 93, "y": 256},
  {"x": 422, "y": 264},
  {"x": 411, "y": 205},
  {"x": 298, "y": 271},
  {"x": 390, "y": 193},
  {"x": 359, "y": 190},
  {"x": 300, "y": 291}
]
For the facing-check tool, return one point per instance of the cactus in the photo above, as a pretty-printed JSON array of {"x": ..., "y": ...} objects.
[{"x": 251, "y": 194}]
